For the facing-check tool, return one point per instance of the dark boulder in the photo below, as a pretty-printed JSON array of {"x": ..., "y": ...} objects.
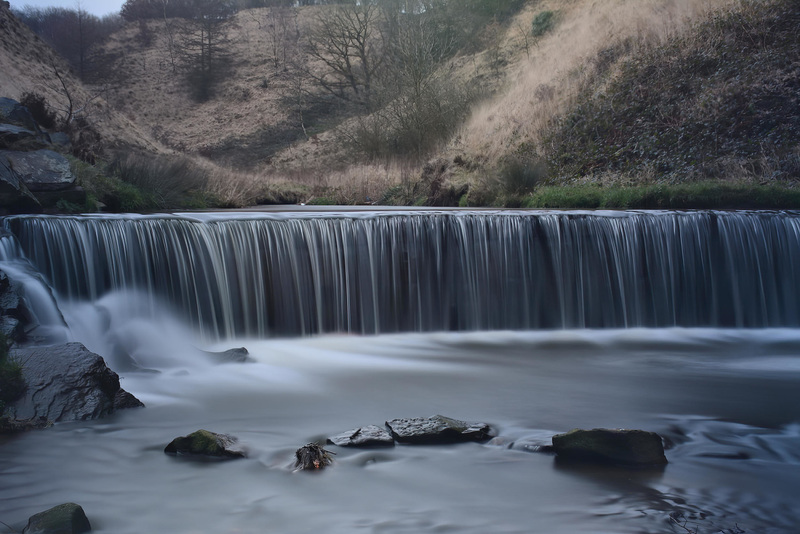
[
  {"x": 41, "y": 170},
  {"x": 68, "y": 518},
  {"x": 206, "y": 443},
  {"x": 617, "y": 446},
  {"x": 67, "y": 382},
  {"x": 437, "y": 429},
  {"x": 11, "y": 134},
  {"x": 12, "y": 112},
  {"x": 312, "y": 457},
  {"x": 15, "y": 196},
  {"x": 366, "y": 436}
]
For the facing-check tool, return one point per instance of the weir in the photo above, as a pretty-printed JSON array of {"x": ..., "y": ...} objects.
[{"x": 264, "y": 275}]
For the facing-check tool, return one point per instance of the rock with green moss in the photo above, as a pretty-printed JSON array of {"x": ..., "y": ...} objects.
[
  {"x": 206, "y": 443},
  {"x": 68, "y": 518},
  {"x": 617, "y": 446}
]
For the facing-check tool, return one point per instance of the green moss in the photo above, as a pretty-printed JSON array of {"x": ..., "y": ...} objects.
[{"x": 205, "y": 442}]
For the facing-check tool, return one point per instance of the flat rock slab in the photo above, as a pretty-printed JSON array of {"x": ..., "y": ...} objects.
[
  {"x": 617, "y": 446},
  {"x": 437, "y": 430},
  {"x": 366, "y": 436},
  {"x": 68, "y": 518},
  {"x": 207, "y": 443},
  {"x": 67, "y": 382},
  {"x": 41, "y": 170}
]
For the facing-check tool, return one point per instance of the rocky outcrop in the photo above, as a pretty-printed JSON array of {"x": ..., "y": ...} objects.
[
  {"x": 68, "y": 518},
  {"x": 207, "y": 443},
  {"x": 366, "y": 436},
  {"x": 67, "y": 383},
  {"x": 32, "y": 174},
  {"x": 41, "y": 170},
  {"x": 626, "y": 447},
  {"x": 12, "y": 112},
  {"x": 15, "y": 196},
  {"x": 437, "y": 429}
]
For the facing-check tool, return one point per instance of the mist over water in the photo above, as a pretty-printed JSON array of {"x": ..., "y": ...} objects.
[{"x": 645, "y": 332}]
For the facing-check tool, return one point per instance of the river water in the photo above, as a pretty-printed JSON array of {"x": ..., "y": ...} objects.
[{"x": 726, "y": 400}]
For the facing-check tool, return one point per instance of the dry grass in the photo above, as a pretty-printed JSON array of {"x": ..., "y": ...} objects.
[
  {"x": 349, "y": 185},
  {"x": 542, "y": 86}
]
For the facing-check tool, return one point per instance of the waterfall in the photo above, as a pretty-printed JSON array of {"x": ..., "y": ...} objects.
[{"x": 373, "y": 272}]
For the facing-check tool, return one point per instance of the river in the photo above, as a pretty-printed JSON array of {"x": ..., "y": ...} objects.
[{"x": 720, "y": 386}]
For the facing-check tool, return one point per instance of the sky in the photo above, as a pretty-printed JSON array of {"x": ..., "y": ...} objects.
[{"x": 95, "y": 7}]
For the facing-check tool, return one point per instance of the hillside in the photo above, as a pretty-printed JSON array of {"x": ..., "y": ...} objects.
[
  {"x": 28, "y": 64},
  {"x": 607, "y": 93}
]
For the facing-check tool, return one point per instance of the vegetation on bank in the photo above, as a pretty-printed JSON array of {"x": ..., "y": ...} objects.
[{"x": 695, "y": 195}]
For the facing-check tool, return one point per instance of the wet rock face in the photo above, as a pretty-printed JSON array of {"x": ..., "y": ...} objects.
[
  {"x": 436, "y": 430},
  {"x": 626, "y": 447},
  {"x": 68, "y": 382},
  {"x": 68, "y": 518},
  {"x": 366, "y": 436},
  {"x": 207, "y": 443}
]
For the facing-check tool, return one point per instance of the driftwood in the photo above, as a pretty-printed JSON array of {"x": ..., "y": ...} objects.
[{"x": 312, "y": 456}]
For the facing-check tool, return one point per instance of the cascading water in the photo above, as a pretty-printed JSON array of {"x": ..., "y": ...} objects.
[
  {"x": 239, "y": 275},
  {"x": 685, "y": 324}
]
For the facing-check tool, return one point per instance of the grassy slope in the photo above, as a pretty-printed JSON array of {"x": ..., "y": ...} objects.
[{"x": 721, "y": 102}]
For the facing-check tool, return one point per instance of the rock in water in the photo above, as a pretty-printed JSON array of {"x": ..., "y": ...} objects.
[
  {"x": 67, "y": 382},
  {"x": 628, "y": 447},
  {"x": 206, "y": 443},
  {"x": 67, "y": 518},
  {"x": 366, "y": 436},
  {"x": 238, "y": 355},
  {"x": 312, "y": 457},
  {"x": 437, "y": 429}
]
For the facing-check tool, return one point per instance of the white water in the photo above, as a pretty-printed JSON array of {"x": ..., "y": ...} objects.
[
  {"x": 725, "y": 400},
  {"x": 717, "y": 395}
]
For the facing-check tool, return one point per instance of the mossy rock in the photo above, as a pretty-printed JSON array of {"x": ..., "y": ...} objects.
[
  {"x": 206, "y": 443},
  {"x": 68, "y": 518},
  {"x": 617, "y": 446}
]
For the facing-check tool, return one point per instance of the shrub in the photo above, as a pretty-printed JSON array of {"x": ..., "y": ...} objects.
[
  {"x": 40, "y": 109},
  {"x": 520, "y": 175},
  {"x": 163, "y": 182},
  {"x": 542, "y": 23}
]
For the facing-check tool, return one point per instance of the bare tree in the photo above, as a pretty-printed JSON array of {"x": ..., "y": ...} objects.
[
  {"x": 283, "y": 36},
  {"x": 346, "y": 40}
]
